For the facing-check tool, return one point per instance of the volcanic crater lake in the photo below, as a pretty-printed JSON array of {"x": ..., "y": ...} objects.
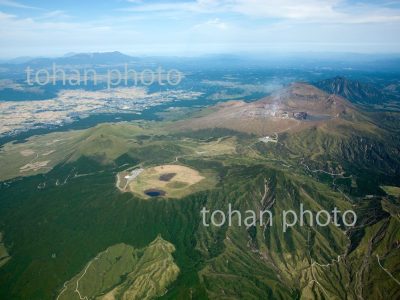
[{"x": 154, "y": 192}]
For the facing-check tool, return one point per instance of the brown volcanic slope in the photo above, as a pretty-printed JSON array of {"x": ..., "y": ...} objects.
[{"x": 275, "y": 114}]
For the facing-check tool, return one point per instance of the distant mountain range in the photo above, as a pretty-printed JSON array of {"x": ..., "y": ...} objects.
[
  {"x": 97, "y": 58},
  {"x": 330, "y": 61},
  {"x": 355, "y": 91}
]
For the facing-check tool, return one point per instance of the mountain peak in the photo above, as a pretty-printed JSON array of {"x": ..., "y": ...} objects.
[{"x": 352, "y": 90}]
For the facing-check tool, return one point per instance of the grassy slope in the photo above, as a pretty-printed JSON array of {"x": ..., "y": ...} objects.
[
  {"x": 262, "y": 259},
  {"x": 123, "y": 272},
  {"x": 77, "y": 220},
  {"x": 4, "y": 257}
]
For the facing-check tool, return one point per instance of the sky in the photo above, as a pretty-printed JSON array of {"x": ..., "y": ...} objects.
[{"x": 195, "y": 27}]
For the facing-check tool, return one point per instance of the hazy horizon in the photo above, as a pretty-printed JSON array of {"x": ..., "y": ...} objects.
[{"x": 264, "y": 55}]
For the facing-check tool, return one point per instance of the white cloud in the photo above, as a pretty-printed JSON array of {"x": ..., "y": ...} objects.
[
  {"x": 321, "y": 11},
  {"x": 288, "y": 9},
  {"x": 212, "y": 24},
  {"x": 37, "y": 36},
  {"x": 55, "y": 15},
  {"x": 10, "y": 3},
  {"x": 159, "y": 7}
]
